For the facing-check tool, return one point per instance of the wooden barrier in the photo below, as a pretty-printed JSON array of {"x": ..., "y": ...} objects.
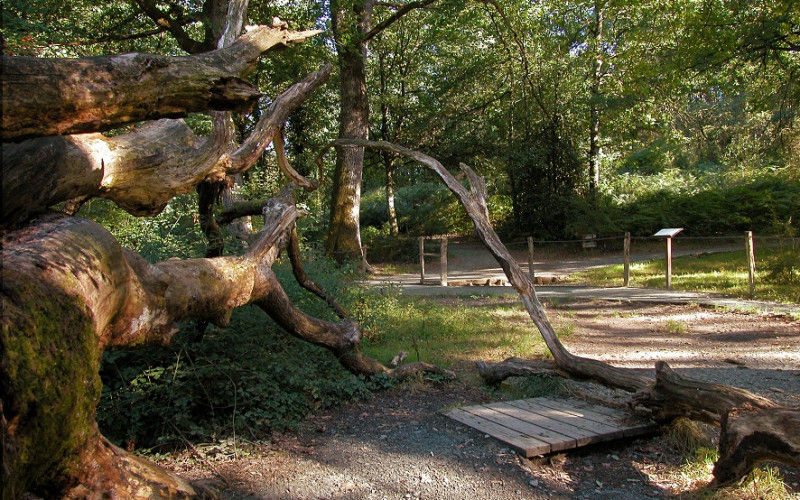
[{"x": 442, "y": 259}]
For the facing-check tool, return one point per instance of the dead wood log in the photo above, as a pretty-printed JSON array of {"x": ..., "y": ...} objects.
[
  {"x": 674, "y": 396},
  {"x": 474, "y": 202},
  {"x": 101, "y": 93},
  {"x": 140, "y": 171},
  {"x": 671, "y": 396},
  {"x": 495, "y": 373},
  {"x": 753, "y": 435}
]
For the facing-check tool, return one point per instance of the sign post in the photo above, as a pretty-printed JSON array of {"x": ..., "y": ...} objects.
[{"x": 668, "y": 234}]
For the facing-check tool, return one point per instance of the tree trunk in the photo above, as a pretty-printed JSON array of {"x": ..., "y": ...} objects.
[
  {"x": 68, "y": 291},
  {"x": 351, "y": 21},
  {"x": 394, "y": 228},
  {"x": 101, "y": 93},
  {"x": 594, "y": 97}
]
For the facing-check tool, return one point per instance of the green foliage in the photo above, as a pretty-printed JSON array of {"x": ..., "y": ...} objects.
[
  {"x": 173, "y": 233},
  {"x": 247, "y": 380},
  {"x": 643, "y": 205},
  {"x": 423, "y": 209}
]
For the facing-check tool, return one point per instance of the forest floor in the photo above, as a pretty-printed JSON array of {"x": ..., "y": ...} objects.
[{"x": 398, "y": 444}]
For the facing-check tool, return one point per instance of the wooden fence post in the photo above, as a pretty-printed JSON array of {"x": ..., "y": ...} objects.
[
  {"x": 364, "y": 265},
  {"x": 530, "y": 259},
  {"x": 443, "y": 261},
  {"x": 421, "y": 260},
  {"x": 751, "y": 261},
  {"x": 626, "y": 252},
  {"x": 668, "y": 261}
]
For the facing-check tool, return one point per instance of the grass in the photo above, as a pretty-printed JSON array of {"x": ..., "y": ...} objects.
[
  {"x": 777, "y": 274},
  {"x": 447, "y": 330}
]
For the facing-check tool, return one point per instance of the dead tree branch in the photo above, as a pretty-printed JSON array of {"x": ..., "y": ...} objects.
[
  {"x": 140, "y": 171},
  {"x": 101, "y": 93}
]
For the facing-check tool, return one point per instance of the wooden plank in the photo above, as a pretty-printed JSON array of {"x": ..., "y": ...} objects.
[
  {"x": 574, "y": 437},
  {"x": 631, "y": 425},
  {"x": 546, "y": 425},
  {"x": 585, "y": 412},
  {"x": 523, "y": 444},
  {"x": 572, "y": 424},
  {"x": 555, "y": 440}
]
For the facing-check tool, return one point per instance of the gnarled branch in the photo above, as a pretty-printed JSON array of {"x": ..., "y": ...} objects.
[
  {"x": 101, "y": 93},
  {"x": 140, "y": 171}
]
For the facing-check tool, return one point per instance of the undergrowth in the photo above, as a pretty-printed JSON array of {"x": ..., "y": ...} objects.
[{"x": 244, "y": 381}]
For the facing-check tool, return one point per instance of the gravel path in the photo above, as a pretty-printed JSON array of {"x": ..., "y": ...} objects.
[{"x": 398, "y": 445}]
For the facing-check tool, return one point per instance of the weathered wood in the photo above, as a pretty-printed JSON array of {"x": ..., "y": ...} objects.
[
  {"x": 753, "y": 435},
  {"x": 544, "y": 425},
  {"x": 474, "y": 202},
  {"x": 140, "y": 171},
  {"x": 751, "y": 261},
  {"x": 674, "y": 396},
  {"x": 703, "y": 401},
  {"x": 531, "y": 271},
  {"x": 421, "y": 260},
  {"x": 525, "y": 445},
  {"x": 626, "y": 257},
  {"x": 668, "y": 261},
  {"x": 68, "y": 291},
  {"x": 443, "y": 262},
  {"x": 101, "y": 93},
  {"x": 494, "y": 373}
]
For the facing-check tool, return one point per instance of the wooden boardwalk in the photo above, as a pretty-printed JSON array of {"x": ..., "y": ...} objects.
[{"x": 545, "y": 425}]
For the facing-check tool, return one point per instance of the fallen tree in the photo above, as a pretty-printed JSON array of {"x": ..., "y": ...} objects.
[
  {"x": 69, "y": 289},
  {"x": 753, "y": 429}
]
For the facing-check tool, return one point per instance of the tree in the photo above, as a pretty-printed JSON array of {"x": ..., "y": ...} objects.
[
  {"x": 351, "y": 23},
  {"x": 70, "y": 290}
]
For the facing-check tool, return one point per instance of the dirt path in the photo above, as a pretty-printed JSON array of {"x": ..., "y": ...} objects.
[{"x": 398, "y": 445}]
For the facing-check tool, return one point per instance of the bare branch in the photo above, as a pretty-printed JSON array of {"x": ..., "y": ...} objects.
[
  {"x": 100, "y": 93},
  {"x": 286, "y": 168},
  {"x": 401, "y": 11}
]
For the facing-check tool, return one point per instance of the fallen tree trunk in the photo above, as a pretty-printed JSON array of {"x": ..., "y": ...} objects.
[
  {"x": 101, "y": 93},
  {"x": 139, "y": 171},
  {"x": 68, "y": 291},
  {"x": 745, "y": 440}
]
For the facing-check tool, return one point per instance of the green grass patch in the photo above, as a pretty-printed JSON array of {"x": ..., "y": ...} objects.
[
  {"x": 447, "y": 330},
  {"x": 777, "y": 274}
]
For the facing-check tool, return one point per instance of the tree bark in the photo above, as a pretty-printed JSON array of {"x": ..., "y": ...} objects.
[
  {"x": 350, "y": 22},
  {"x": 101, "y": 93},
  {"x": 140, "y": 171},
  {"x": 68, "y": 291}
]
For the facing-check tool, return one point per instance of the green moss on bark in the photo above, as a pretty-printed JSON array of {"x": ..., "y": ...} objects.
[{"x": 49, "y": 366}]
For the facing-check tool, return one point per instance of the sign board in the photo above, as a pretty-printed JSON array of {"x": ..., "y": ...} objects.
[
  {"x": 668, "y": 232},
  {"x": 587, "y": 241}
]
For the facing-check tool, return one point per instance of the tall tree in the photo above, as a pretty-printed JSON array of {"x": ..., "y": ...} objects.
[{"x": 351, "y": 22}]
